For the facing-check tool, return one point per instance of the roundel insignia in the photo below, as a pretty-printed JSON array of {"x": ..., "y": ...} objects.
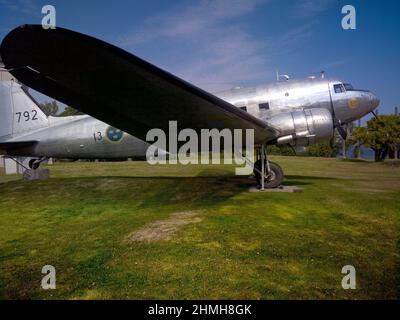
[
  {"x": 353, "y": 103},
  {"x": 114, "y": 134}
]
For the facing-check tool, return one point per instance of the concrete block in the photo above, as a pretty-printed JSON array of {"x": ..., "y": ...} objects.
[
  {"x": 39, "y": 174},
  {"x": 287, "y": 189}
]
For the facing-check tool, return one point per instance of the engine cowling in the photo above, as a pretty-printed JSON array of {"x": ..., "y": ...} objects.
[{"x": 303, "y": 128}]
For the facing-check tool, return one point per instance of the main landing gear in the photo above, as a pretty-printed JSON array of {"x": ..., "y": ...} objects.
[
  {"x": 268, "y": 174},
  {"x": 34, "y": 164}
]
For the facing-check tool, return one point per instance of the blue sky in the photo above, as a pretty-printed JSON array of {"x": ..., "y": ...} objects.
[{"x": 221, "y": 44}]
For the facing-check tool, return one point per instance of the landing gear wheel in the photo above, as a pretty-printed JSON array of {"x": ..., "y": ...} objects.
[
  {"x": 275, "y": 177},
  {"x": 34, "y": 164}
]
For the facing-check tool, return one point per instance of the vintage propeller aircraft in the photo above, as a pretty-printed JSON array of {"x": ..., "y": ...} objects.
[{"x": 130, "y": 94}]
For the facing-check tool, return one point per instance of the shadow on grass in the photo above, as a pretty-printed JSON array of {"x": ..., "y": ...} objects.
[
  {"x": 74, "y": 193},
  {"x": 213, "y": 178},
  {"x": 220, "y": 180},
  {"x": 303, "y": 180},
  {"x": 357, "y": 160}
]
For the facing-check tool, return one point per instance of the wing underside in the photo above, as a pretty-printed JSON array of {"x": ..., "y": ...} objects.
[
  {"x": 115, "y": 86},
  {"x": 12, "y": 145}
]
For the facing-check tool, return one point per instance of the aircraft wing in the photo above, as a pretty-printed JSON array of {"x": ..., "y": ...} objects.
[{"x": 115, "y": 86}]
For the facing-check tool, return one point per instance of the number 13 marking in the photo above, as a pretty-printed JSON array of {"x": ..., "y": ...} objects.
[{"x": 97, "y": 136}]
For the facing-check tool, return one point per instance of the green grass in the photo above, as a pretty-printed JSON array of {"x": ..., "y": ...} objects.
[{"x": 248, "y": 245}]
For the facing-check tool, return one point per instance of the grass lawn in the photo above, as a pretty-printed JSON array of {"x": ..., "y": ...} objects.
[{"x": 243, "y": 246}]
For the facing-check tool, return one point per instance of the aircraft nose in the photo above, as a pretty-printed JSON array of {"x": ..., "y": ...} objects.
[{"x": 374, "y": 101}]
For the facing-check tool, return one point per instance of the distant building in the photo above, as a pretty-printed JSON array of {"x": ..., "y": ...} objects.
[{"x": 16, "y": 165}]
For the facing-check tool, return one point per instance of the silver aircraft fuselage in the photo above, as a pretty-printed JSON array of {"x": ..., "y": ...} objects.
[
  {"x": 86, "y": 137},
  {"x": 286, "y": 96}
]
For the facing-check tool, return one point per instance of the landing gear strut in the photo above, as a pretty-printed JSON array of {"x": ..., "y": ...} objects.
[{"x": 273, "y": 173}]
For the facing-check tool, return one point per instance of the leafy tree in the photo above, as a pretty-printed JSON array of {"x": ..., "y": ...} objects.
[
  {"x": 381, "y": 134},
  {"x": 323, "y": 149},
  {"x": 49, "y": 108},
  {"x": 274, "y": 150},
  {"x": 280, "y": 151},
  {"x": 69, "y": 111}
]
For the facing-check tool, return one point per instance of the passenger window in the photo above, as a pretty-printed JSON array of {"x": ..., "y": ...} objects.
[
  {"x": 243, "y": 108},
  {"x": 338, "y": 88},
  {"x": 263, "y": 106}
]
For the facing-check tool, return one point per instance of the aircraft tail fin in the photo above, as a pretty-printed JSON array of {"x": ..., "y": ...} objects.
[{"x": 19, "y": 112}]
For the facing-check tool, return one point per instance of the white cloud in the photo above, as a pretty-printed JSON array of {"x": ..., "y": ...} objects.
[
  {"x": 27, "y": 7},
  {"x": 294, "y": 36},
  {"x": 185, "y": 22},
  {"x": 221, "y": 51},
  {"x": 231, "y": 57},
  {"x": 306, "y": 9}
]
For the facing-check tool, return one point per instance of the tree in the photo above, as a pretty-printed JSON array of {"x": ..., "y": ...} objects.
[
  {"x": 49, "y": 108},
  {"x": 69, "y": 111},
  {"x": 381, "y": 134},
  {"x": 323, "y": 149}
]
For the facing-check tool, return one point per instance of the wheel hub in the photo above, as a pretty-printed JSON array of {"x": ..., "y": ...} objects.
[{"x": 271, "y": 176}]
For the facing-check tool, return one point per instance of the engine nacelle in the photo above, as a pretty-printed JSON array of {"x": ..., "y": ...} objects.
[{"x": 303, "y": 128}]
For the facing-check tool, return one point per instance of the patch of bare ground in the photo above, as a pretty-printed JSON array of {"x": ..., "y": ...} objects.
[{"x": 163, "y": 230}]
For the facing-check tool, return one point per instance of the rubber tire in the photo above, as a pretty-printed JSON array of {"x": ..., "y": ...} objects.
[
  {"x": 277, "y": 173},
  {"x": 33, "y": 164}
]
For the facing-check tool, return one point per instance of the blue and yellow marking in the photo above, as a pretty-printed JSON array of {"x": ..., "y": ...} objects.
[{"x": 114, "y": 134}]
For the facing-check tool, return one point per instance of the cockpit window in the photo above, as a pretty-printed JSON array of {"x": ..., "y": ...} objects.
[
  {"x": 339, "y": 88},
  {"x": 348, "y": 86}
]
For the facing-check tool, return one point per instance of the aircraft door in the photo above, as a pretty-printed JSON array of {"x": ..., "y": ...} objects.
[{"x": 338, "y": 98}]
